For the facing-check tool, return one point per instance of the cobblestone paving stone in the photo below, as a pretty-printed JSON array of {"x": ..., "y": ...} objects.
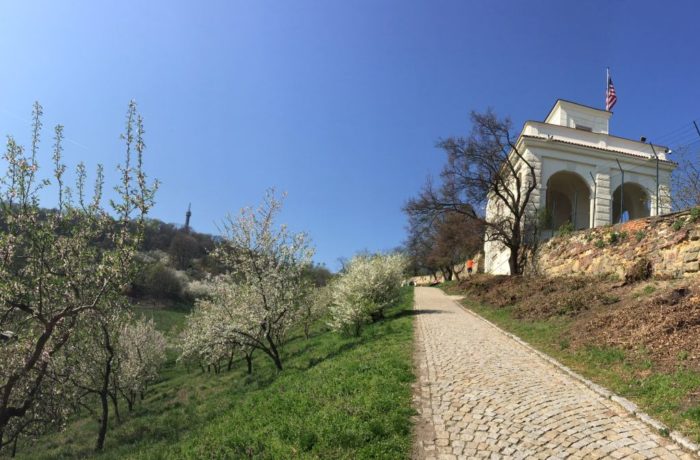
[{"x": 483, "y": 395}]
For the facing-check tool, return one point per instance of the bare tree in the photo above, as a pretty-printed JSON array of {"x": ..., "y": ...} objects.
[
  {"x": 485, "y": 169},
  {"x": 686, "y": 180},
  {"x": 443, "y": 242}
]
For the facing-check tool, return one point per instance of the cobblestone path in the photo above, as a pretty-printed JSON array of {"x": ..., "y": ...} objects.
[{"x": 483, "y": 395}]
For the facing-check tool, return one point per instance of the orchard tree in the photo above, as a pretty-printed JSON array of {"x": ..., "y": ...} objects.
[
  {"x": 487, "y": 165},
  {"x": 208, "y": 339},
  {"x": 140, "y": 355},
  {"x": 261, "y": 296},
  {"x": 369, "y": 285},
  {"x": 315, "y": 308},
  {"x": 53, "y": 273}
]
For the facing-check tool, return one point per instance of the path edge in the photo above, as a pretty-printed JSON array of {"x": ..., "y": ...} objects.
[{"x": 626, "y": 404}]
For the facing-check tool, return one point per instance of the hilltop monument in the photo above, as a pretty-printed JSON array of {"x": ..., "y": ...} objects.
[
  {"x": 586, "y": 177},
  {"x": 188, "y": 215}
]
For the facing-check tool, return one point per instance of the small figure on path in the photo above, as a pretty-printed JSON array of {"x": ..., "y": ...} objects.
[{"x": 470, "y": 266}]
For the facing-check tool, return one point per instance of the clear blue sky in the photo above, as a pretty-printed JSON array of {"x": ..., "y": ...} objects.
[{"x": 338, "y": 103}]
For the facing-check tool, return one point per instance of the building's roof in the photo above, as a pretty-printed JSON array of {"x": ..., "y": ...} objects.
[
  {"x": 574, "y": 103},
  {"x": 578, "y": 144}
]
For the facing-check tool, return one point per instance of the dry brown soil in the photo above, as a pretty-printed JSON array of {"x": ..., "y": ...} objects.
[{"x": 659, "y": 318}]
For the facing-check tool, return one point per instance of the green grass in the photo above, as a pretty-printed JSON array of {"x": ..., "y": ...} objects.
[
  {"x": 338, "y": 397},
  {"x": 169, "y": 321},
  {"x": 664, "y": 395}
]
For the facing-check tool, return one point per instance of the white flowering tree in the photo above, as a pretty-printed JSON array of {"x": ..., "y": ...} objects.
[
  {"x": 316, "y": 307},
  {"x": 140, "y": 355},
  {"x": 254, "y": 305},
  {"x": 58, "y": 266},
  {"x": 369, "y": 285},
  {"x": 208, "y": 340}
]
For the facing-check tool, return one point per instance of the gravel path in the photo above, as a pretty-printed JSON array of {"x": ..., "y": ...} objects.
[{"x": 483, "y": 395}]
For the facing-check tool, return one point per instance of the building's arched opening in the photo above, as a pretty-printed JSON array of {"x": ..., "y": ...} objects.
[
  {"x": 568, "y": 201},
  {"x": 630, "y": 201}
]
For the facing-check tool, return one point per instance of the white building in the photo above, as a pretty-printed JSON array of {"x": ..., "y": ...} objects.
[{"x": 579, "y": 180}]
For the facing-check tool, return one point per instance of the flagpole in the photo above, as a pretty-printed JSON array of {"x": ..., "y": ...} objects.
[{"x": 607, "y": 82}]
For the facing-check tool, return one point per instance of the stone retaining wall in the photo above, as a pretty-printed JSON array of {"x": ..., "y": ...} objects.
[{"x": 670, "y": 242}]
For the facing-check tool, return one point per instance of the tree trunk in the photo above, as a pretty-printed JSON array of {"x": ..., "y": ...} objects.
[
  {"x": 447, "y": 273},
  {"x": 103, "y": 421},
  {"x": 14, "y": 447},
  {"x": 115, "y": 403},
  {"x": 230, "y": 361},
  {"x": 513, "y": 261},
  {"x": 104, "y": 392},
  {"x": 274, "y": 353},
  {"x": 249, "y": 361}
]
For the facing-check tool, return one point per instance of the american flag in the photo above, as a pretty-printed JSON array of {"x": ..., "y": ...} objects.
[{"x": 610, "y": 96}]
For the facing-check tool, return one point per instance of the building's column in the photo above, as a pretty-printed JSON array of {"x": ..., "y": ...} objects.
[
  {"x": 537, "y": 197},
  {"x": 664, "y": 199},
  {"x": 602, "y": 200}
]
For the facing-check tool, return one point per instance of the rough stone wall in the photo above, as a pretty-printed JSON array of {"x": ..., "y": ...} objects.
[{"x": 670, "y": 242}]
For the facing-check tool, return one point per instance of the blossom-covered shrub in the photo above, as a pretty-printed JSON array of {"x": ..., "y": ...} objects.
[{"x": 370, "y": 284}]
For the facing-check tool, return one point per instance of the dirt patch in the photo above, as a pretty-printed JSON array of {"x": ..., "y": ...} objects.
[
  {"x": 665, "y": 326},
  {"x": 659, "y": 320},
  {"x": 541, "y": 298}
]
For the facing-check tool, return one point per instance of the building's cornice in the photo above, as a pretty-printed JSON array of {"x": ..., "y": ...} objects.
[{"x": 642, "y": 158}]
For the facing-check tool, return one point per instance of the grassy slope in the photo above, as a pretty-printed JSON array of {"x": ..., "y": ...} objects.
[
  {"x": 338, "y": 397},
  {"x": 663, "y": 395}
]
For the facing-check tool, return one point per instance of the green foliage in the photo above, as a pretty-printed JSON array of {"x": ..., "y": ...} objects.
[
  {"x": 565, "y": 229},
  {"x": 649, "y": 289},
  {"x": 613, "y": 238},
  {"x": 599, "y": 243},
  {"x": 678, "y": 224},
  {"x": 694, "y": 214},
  {"x": 159, "y": 281},
  {"x": 339, "y": 397},
  {"x": 544, "y": 219},
  {"x": 639, "y": 235}
]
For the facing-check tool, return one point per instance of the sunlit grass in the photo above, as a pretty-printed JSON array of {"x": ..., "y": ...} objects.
[{"x": 338, "y": 397}]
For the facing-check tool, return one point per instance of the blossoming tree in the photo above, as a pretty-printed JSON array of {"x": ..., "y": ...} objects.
[
  {"x": 370, "y": 284},
  {"x": 260, "y": 297},
  {"x": 59, "y": 265}
]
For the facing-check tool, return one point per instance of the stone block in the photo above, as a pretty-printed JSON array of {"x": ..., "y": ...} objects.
[{"x": 691, "y": 267}]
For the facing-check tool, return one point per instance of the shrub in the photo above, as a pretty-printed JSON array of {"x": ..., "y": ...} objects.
[
  {"x": 613, "y": 237},
  {"x": 639, "y": 271},
  {"x": 599, "y": 243},
  {"x": 694, "y": 214},
  {"x": 369, "y": 285},
  {"x": 678, "y": 224},
  {"x": 161, "y": 282},
  {"x": 565, "y": 229},
  {"x": 639, "y": 235}
]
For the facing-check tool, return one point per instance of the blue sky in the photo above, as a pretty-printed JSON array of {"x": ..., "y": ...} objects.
[{"x": 338, "y": 103}]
